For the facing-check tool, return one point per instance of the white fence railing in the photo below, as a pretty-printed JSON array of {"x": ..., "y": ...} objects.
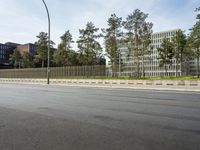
[{"x": 173, "y": 84}]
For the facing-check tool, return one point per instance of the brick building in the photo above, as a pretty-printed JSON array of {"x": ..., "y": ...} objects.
[{"x": 27, "y": 48}]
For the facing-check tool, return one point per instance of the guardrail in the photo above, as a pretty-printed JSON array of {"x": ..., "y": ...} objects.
[{"x": 186, "y": 84}]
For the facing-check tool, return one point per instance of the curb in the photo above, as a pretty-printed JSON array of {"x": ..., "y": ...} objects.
[{"x": 168, "y": 85}]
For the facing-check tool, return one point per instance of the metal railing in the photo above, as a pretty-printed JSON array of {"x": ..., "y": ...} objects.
[{"x": 56, "y": 72}]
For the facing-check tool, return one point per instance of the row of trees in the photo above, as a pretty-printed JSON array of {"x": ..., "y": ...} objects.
[
  {"x": 90, "y": 51},
  {"x": 182, "y": 48},
  {"x": 134, "y": 32}
]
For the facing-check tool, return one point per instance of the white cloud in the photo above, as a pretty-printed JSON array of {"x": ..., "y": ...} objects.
[{"x": 22, "y": 20}]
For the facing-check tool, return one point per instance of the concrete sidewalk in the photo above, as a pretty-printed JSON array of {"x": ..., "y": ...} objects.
[{"x": 187, "y": 85}]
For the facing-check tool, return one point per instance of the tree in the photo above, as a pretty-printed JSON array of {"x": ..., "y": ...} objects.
[
  {"x": 89, "y": 48},
  {"x": 16, "y": 58},
  {"x": 145, "y": 35},
  {"x": 61, "y": 55},
  {"x": 165, "y": 54},
  {"x": 41, "y": 54},
  {"x": 73, "y": 58},
  {"x": 42, "y": 46},
  {"x": 179, "y": 41},
  {"x": 194, "y": 41},
  {"x": 134, "y": 24},
  {"x": 112, "y": 36},
  {"x": 27, "y": 60}
]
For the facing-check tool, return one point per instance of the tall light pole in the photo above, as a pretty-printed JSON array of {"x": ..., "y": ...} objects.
[{"x": 49, "y": 42}]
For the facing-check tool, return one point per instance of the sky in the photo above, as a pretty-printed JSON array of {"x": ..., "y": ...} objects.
[{"x": 22, "y": 20}]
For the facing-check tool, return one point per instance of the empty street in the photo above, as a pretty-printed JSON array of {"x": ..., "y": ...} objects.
[{"x": 46, "y": 117}]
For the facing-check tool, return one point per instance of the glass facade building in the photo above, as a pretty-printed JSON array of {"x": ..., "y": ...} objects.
[
  {"x": 5, "y": 51},
  {"x": 151, "y": 61}
]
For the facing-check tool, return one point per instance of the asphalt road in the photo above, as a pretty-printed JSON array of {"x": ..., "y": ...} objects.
[{"x": 41, "y": 117}]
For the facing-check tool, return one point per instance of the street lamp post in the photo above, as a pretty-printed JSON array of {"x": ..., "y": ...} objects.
[{"x": 48, "y": 57}]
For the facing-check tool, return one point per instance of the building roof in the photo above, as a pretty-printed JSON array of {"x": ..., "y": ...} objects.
[
  {"x": 12, "y": 44},
  {"x": 166, "y": 31}
]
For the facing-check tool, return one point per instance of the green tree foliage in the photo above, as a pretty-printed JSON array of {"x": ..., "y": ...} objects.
[
  {"x": 194, "y": 40},
  {"x": 179, "y": 41},
  {"x": 41, "y": 55},
  {"x": 138, "y": 36},
  {"x": 16, "y": 58},
  {"x": 112, "y": 36},
  {"x": 62, "y": 54},
  {"x": 89, "y": 48},
  {"x": 27, "y": 60},
  {"x": 73, "y": 58},
  {"x": 165, "y": 54},
  {"x": 42, "y": 44},
  {"x": 145, "y": 39}
]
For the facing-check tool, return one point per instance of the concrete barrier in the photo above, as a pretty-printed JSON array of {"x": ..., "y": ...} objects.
[{"x": 193, "y": 85}]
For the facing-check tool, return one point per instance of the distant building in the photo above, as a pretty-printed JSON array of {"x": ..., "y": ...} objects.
[
  {"x": 193, "y": 69},
  {"x": 152, "y": 67},
  {"x": 29, "y": 48},
  {"x": 151, "y": 62},
  {"x": 5, "y": 51}
]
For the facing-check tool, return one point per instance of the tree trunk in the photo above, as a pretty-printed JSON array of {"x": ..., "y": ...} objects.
[
  {"x": 42, "y": 63},
  {"x": 198, "y": 62},
  {"x": 176, "y": 68},
  {"x": 15, "y": 64},
  {"x": 198, "y": 67},
  {"x": 181, "y": 61},
  {"x": 119, "y": 66},
  {"x": 114, "y": 69},
  {"x": 19, "y": 65},
  {"x": 165, "y": 70},
  {"x": 143, "y": 70},
  {"x": 138, "y": 68},
  {"x": 137, "y": 53},
  {"x": 177, "y": 59},
  {"x": 143, "y": 74}
]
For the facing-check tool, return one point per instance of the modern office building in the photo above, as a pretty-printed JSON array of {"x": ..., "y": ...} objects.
[
  {"x": 151, "y": 62},
  {"x": 152, "y": 67},
  {"x": 193, "y": 69},
  {"x": 5, "y": 51}
]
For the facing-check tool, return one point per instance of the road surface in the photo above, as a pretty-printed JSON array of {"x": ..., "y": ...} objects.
[{"x": 42, "y": 117}]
